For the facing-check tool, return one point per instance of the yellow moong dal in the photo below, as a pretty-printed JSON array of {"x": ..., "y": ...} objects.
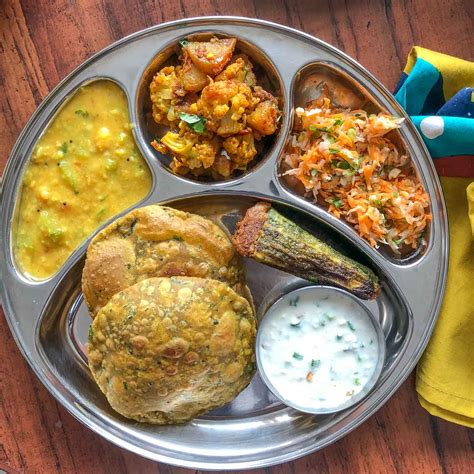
[{"x": 84, "y": 169}]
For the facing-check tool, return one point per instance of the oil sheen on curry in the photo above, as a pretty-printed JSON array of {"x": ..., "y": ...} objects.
[{"x": 84, "y": 169}]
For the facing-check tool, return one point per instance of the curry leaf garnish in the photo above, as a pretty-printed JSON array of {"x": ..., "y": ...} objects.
[{"x": 195, "y": 122}]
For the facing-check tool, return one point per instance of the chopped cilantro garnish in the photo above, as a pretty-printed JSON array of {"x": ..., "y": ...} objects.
[
  {"x": 351, "y": 326},
  {"x": 351, "y": 133},
  {"x": 195, "y": 122},
  {"x": 337, "y": 203},
  {"x": 338, "y": 337},
  {"x": 63, "y": 147},
  {"x": 333, "y": 151},
  {"x": 315, "y": 363},
  {"x": 342, "y": 164},
  {"x": 357, "y": 381},
  {"x": 316, "y": 133},
  {"x": 297, "y": 356},
  {"x": 314, "y": 128},
  {"x": 184, "y": 42},
  {"x": 338, "y": 122}
]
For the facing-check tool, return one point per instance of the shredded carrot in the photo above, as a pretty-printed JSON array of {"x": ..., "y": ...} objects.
[{"x": 346, "y": 163}]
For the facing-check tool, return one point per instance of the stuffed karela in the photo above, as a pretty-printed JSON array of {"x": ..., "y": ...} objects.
[{"x": 270, "y": 238}]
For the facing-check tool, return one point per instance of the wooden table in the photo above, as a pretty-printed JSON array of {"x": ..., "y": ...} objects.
[{"x": 41, "y": 42}]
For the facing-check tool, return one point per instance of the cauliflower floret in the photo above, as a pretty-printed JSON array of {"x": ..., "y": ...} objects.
[
  {"x": 225, "y": 104},
  {"x": 240, "y": 148},
  {"x": 223, "y": 166},
  {"x": 240, "y": 70},
  {"x": 178, "y": 144},
  {"x": 165, "y": 91},
  {"x": 204, "y": 152},
  {"x": 190, "y": 150}
]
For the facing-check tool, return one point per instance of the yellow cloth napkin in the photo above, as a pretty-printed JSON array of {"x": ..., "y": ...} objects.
[
  {"x": 470, "y": 200},
  {"x": 445, "y": 374}
]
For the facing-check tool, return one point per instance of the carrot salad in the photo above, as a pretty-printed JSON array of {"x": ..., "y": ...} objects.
[{"x": 346, "y": 163}]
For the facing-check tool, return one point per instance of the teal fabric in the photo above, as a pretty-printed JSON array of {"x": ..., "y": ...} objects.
[
  {"x": 447, "y": 126},
  {"x": 414, "y": 92},
  {"x": 457, "y": 137}
]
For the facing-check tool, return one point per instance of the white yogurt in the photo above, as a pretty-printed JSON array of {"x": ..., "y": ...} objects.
[{"x": 318, "y": 348}]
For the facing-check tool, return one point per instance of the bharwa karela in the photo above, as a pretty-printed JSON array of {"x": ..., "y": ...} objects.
[{"x": 270, "y": 238}]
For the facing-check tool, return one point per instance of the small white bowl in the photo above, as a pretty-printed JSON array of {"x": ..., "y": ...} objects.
[{"x": 319, "y": 292}]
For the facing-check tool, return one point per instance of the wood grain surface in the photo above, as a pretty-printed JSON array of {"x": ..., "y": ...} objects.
[{"x": 41, "y": 42}]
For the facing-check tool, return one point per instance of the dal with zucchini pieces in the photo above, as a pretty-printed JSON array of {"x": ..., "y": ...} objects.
[
  {"x": 216, "y": 111},
  {"x": 84, "y": 169}
]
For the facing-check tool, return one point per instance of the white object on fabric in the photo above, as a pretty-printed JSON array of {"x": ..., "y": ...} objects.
[{"x": 432, "y": 127}]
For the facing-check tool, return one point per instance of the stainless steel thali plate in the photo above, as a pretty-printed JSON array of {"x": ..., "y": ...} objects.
[{"x": 49, "y": 321}]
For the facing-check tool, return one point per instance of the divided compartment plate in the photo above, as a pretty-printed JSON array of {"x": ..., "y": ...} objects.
[{"x": 49, "y": 320}]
